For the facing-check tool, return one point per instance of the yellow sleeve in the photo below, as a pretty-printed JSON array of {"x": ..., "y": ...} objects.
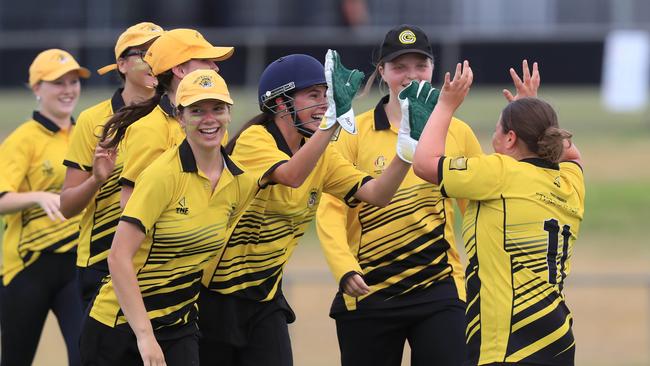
[
  {"x": 470, "y": 147},
  {"x": 15, "y": 158},
  {"x": 142, "y": 144},
  {"x": 477, "y": 178},
  {"x": 342, "y": 178},
  {"x": 332, "y": 218},
  {"x": 153, "y": 193},
  {"x": 331, "y": 226},
  {"x": 258, "y": 152},
  {"x": 81, "y": 150},
  {"x": 573, "y": 173}
]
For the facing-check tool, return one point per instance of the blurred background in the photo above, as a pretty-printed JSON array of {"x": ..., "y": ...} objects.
[{"x": 593, "y": 56}]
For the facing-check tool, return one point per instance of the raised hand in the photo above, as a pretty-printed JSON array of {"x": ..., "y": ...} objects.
[
  {"x": 526, "y": 88},
  {"x": 342, "y": 86},
  {"x": 417, "y": 101},
  {"x": 455, "y": 90},
  {"x": 103, "y": 163}
]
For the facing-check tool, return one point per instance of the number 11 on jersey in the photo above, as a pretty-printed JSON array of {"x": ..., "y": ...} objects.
[{"x": 553, "y": 228}]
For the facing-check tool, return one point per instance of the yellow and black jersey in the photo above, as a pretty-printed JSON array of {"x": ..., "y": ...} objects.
[
  {"x": 186, "y": 224},
  {"x": 149, "y": 137},
  {"x": 519, "y": 230},
  {"x": 406, "y": 251},
  {"x": 30, "y": 160},
  {"x": 102, "y": 214},
  {"x": 251, "y": 266}
]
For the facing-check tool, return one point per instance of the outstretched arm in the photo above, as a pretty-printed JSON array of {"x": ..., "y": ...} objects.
[{"x": 432, "y": 142}]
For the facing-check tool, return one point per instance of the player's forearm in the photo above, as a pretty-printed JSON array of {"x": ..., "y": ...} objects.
[
  {"x": 125, "y": 284},
  {"x": 75, "y": 199},
  {"x": 12, "y": 202},
  {"x": 432, "y": 144},
  {"x": 380, "y": 191},
  {"x": 294, "y": 172}
]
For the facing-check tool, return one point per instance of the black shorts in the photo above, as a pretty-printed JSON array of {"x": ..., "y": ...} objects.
[
  {"x": 102, "y": 345},
  {"x": 237, "y": 331}
]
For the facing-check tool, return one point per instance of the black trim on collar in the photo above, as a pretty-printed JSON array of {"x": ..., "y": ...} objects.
[
  {"x": 541, "y": 163},
  {"x": 381, "y": 119},
  {"x": 166, "y": 105},
  {"x": 46, "y": 122},
  {"x": 117, "y": 102},
  {"x": 279, "y": 139},
  {"x": 187, "y": 157},
  {"x": 188, "y": 161},
  {"x": 234, "y": 169}
]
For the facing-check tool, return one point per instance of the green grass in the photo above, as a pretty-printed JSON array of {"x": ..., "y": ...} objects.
[{"x": 618, "y": 198}]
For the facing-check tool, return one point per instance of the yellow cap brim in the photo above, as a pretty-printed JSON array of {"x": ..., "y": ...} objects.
[
  {"x": 215, "y": 53},
  {"x": 197, "y": 98},
  {"x": 83, "y": 73},
  {"x": 106, "y": 69}
]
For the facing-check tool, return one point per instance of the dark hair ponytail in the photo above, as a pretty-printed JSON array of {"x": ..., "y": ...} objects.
[
  {"x": 261, "y": 119},
  {"x": 115, "y": 128},
  {"x": 535, "y": 123},
  {"x": 551, "y": 145}
]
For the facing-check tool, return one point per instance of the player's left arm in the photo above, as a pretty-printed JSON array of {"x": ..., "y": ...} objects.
[{"x": 431, "y": 147}]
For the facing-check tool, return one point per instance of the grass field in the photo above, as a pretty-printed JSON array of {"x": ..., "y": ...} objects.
[{"x": 609, "y": 290}]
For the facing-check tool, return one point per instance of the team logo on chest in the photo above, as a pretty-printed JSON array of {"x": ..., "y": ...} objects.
[
  {"x": 313, "y": 196},
  {"x": 182, "y": 208},
  {"x": 47, "y": 168},
  {"x": 380, "y": 164}
]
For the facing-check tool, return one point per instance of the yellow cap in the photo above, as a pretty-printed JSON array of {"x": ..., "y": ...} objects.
[
  {"x": 177, "y": 46},
  {"x": 136, "y": 35},
  {"x": 201, "y": 85},
  {"x": 51, "y": 64}
]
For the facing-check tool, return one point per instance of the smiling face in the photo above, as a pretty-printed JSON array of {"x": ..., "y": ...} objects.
[
  {"x": 59, "y": 97},
  {"x": 310, "y": 104},
  {"x": 205, "y": 123},
  {"x": 399, "y": 72}
]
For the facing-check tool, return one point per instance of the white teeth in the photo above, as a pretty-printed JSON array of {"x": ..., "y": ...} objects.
[{"x": 209, "y": 130}]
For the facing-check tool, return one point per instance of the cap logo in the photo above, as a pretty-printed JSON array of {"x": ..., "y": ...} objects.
[
  {"x": 204, "y": 81},
  {"x": 407, "y": 37},
  {"x": 61, "y": 58}
]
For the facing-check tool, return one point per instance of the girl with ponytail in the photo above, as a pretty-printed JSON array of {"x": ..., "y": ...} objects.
[{"x": 526, "y": 205}]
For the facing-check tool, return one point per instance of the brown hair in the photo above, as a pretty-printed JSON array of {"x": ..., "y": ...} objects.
[
  {"x": 535, "y": 123},
  {"x": 115, "y": 128}
]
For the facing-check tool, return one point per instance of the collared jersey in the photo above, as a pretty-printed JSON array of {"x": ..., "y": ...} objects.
[
  {"x": 519, "y": 231},
  {"x": 100, "y": 218},
  {"x": 264, "y": 239},
  {"x": 186, "y": 224},
  {"x": 30, "y": 160},
  {"x": 149, "y": 137},
  {"x": 405, "y": 251}
]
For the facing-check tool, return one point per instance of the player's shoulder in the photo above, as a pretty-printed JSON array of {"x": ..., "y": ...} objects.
[
  {"x": 165, "y": 166},
  {"x": 457, "y": 125},
  {"x": 155, "y": 121},
  {"x": 101, "y": 109},
  {"x": 366, "y": 119}
]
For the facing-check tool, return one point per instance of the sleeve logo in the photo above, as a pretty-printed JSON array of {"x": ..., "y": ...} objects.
[{"x": 458, "y": 163}]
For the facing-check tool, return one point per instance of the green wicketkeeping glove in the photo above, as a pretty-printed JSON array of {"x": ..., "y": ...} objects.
[
  {"x": 342, "y": 86},
  {"x": 417, "y": 101}
]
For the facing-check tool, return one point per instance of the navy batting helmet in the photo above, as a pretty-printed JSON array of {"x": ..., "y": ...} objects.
[{"x": 288, "y": 74}]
